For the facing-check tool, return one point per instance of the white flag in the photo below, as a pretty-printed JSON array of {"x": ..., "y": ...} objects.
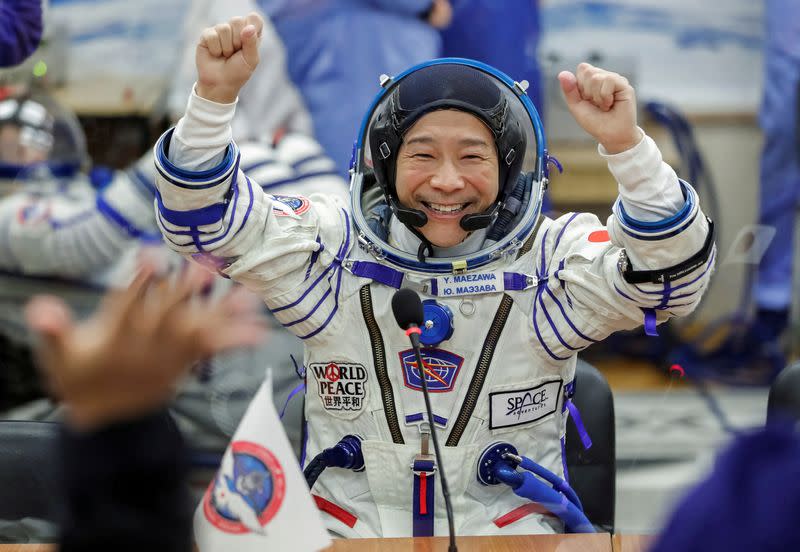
[{"x": 259, "y": 499}]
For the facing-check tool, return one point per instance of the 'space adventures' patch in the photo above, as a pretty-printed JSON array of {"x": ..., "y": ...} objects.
[{"x": 517, "y": 407}]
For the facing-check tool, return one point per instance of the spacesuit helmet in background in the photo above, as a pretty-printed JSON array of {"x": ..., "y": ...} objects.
[
  {"x": 40, "y": 140},
  {"x": 479, "y": 90}
]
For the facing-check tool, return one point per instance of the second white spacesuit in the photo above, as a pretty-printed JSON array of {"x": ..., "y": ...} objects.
[{"x": 61, "y": 235}]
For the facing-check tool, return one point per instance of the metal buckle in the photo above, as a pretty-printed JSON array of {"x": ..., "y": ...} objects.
[
  {"x": 622, "y": 263},
  {"x": 459, "y": 267},
  {"x": 370, "y": 247},
  {"x": 424, "y": 451},
  {"x": 512, "y": 247}
]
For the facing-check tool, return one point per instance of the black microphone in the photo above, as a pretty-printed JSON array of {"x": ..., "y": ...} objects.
[{"x": 408, "y": 312}]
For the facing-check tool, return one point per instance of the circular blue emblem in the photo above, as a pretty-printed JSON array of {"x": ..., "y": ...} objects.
[{"x": 438, "y": 324}]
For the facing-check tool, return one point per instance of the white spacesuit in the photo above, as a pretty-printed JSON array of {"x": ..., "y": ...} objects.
[
  {"x": 506, "y": 310},
  {"x": 60, "y": 235}
]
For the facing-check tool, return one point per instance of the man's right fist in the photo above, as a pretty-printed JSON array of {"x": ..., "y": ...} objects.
[{"x": 226, "y": 56}]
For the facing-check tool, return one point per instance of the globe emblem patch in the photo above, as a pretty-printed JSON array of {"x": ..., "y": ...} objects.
[{"x": 441, "y": 369}]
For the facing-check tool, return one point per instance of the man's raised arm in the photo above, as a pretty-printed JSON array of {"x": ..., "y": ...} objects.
[{"x": 208, "y": 209}]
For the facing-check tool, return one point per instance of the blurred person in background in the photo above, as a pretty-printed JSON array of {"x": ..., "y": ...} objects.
[
  {"x": 337, "y": 48},
  {"x": 759, "y": 354},
  {"x": 123, "y": 460},
  {"x": 508, "y": 34},
  {"x": 20, "y": 30},
  {"x": 780, "y": 176},
  {"x": 63, "y": 232},
  {"x": 750, "y": 501}
]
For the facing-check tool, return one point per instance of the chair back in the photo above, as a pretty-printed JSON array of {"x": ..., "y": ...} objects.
[
  {"x": 30, "y": 485},
  {"x": 592, "y": 472},
  {"x": 784, "y": 395}
]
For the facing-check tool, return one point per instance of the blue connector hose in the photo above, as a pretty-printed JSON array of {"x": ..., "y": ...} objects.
[
  {"x": 558, "y": 483},
  {"x": 526, "y": 485}
]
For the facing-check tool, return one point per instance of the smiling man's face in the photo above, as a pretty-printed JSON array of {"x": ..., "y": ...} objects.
[{"x": 447, "y": 167}]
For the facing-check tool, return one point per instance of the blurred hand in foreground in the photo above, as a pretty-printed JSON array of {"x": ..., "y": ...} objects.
[{"x": 124, "y": 361}]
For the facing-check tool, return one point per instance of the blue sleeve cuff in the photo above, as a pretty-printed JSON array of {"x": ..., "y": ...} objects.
[
  {"x": 664, "y": 225},
  {"x": 192, "y": 179}
]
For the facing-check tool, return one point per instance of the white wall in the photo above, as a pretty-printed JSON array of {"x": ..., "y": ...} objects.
[{"x": 732, "y": 151}]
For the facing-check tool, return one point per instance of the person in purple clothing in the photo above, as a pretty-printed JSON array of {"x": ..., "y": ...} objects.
[
  {"x": 20, "y": 30},
  {"x": 750, "y": 501},
  {"x": 757, "y": 353}
]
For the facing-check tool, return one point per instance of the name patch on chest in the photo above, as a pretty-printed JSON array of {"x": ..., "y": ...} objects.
[
  {"x": 342, "y": 386},
  {"x": 517, "y": 407},
  {"x": 470, "y": 284}
]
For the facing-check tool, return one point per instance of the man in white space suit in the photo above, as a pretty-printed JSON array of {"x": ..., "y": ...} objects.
[{"x": 446, "y": 189}]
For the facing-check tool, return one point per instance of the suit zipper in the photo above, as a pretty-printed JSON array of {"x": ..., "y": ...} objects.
[
  {"x": 379, "y": 360},
  {"x": 485, "y": 360},
  {"x": 481, "y": 371}
]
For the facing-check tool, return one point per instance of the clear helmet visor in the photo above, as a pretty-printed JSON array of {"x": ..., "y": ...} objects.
[
  {"x": 39, "y": 140},
  {"x": 500, "y": 104}
]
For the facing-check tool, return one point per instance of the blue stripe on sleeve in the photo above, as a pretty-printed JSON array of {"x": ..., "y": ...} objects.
[
  {"x": 539, "y": 333},
  {"x": 258, "y": 165},
  {"x": 313, "y": 157},
  {"x": 565, "y": 316},
  {"x": 552, "y": 324},
  {"x": 143, "y": 181},
  {"x": 298, "y": 178},
  {"x": 342, "y": 251},
  {"x": 196, "y": 217},
  {"x": 649, "y": 227},
  {"x": 116, "y": 217},
  {"x": 644, "y": 236},
  {"x": 194, "y": 231}
]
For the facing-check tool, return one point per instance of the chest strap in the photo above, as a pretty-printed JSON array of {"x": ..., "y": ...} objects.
[{"x": 424, "y": 469}]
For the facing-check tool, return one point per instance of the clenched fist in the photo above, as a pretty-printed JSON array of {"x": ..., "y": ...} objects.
[
  {"x": 604, "y": 104},
  {"x": 226, "y": 56}
]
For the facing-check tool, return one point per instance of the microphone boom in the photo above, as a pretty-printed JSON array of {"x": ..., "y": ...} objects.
[{"x": 409, "y": 314}]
